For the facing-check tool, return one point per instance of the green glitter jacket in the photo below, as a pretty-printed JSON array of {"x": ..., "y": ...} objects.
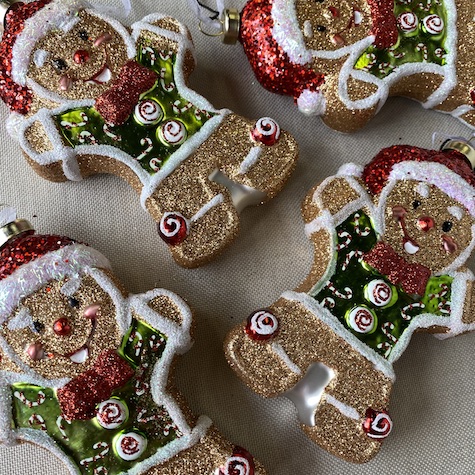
[{"x": 30, "y": 411}]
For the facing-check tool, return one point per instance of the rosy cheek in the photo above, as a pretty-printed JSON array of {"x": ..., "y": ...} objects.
[{"x": 449, "y": 245}]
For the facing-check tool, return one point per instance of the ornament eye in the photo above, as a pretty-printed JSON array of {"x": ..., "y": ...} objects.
[
  {"x": 38, "y": 327},
  {"x": 59, "y": 64},
  {"x": 319, "y": 1},
  {"x": 74, "y": 303},
  {"x": 416, "y": 204},
  {"x": 84, "y": 35},
  {"x": 321, "y": 28},
  {"x": 447, "y": 226}
]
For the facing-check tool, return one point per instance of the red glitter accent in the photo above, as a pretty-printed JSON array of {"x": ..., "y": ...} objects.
[
  {"x": 78, "y": 398},
  {"x": 26, "y": 248},
  {"x": 376, "y": 173},
  {"x": 411, "y": 277},
  {"x": 18, "y": 98},
  {"x": 270, "y": 63},
  {"x": 62, "y": 327},
  {"x": 251, "y": 330},
  {"x": 81, "y": 56},
  {"x": 118, "y": 102},
  {"x": 384, "y": 23},
  {"x": 379, "y": 429}
]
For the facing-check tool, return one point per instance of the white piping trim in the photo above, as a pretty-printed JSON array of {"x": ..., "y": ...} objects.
[
  {"x": 346, "y": 410},
  {"x": 280, "y": 352}
]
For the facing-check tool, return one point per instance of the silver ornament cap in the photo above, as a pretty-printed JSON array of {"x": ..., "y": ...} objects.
[
  {"x": 463, "y": 146},
  {"x": 5, "y": 6}
]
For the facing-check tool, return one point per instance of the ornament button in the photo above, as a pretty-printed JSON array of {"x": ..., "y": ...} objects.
[
  {"x": 262, "y": 325},
  {"x": 148, "y": 112},
  {"x": 380, "y": 293},
  {"x": 433, "y": 24},
  {"x": 172, "y": 133},
  {"x": 130, "y": 446},
  {"x": 361, "y": 319},
  {"x": 173, "y": 228},
  {"x": 266, "y": 131},
  {"x": 112, "y": 413},
  {"x": 377, "y": 424}
]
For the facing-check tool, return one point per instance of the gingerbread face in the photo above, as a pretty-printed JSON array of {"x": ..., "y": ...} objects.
[
  {"x": 328, "y": 25},
  {"x": 90, "y": 56},
  {"x": 58, "y": 332},
  {"x": 425, "y": 225}
]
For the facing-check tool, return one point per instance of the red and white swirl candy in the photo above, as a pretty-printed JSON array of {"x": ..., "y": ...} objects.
[
  {"x": 378, "y": 292},
  {"x": 433, "y": 24},
  {"x": 266, "y": 131},
  {"x": 407, "y": 22},
  {"x": 362, "y": 320},
  {"x": 130, "y": 446},
  {"x": 112, "y": 414},
  {"x": 148, "y": 112},
  {"x": 377, "y": 424},
  {"x": 172, "y": 133},
  {"x": 262, "y": 325},
  {"x": 240, "y": 463},
  {"x": 173, "y": 228}
]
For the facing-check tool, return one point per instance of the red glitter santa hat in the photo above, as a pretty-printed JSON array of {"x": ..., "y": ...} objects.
[
  {"x": 29, "y": 261},
  {"x": 449, "y": 169},
  {"x": 25, "y": 24}
]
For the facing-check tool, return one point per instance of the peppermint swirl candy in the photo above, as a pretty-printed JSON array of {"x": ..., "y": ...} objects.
[
  {"x": 407, "y": 22},
  {"x": 433, "y": 24},
  {"x": 266, "y": 131},
  {"x": 361, "y": 320},
  {"x": 173, "y": 228},
  {"x": 377, "y": 424},
  {"x": 262, "y": 325},
  {"x": 378, "y": 292},
  {"x": 148, "y": 112},
  {"x": 172, "y": 133},
  {"x": 130, "y": 446},
  {"x": 112, "y": 414},
  {"x": 237, "y": 465}
]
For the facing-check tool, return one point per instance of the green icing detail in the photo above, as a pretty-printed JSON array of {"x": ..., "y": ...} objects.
[
  {"x": 355, "y": 274},
  {"x": 382, "y": 62},
  {"x": 85, "y": 126},
  {"x": 159, "y": 430}
]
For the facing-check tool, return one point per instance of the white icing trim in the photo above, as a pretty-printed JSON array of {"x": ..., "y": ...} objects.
[
  {"x": 280, "y": 352},
  {"x": 217, "y": 200},
  {"x": 456, "y": 212},
  {"x": 251, "y": 159},
  {"x": 346, "y": 410},
  {"x": 322, "y": 314}
]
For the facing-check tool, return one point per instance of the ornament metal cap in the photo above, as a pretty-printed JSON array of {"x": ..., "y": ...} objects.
[
  {"x": 5, "y": 6},
  {"x": 231, "y": 25},
  {"x": 14, "y": 229},
  {"x": 462, "y": 146}
]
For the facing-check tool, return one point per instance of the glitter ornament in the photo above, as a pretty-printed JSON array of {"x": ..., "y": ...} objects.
[
  {"x": 391, "y": 243},
  {"x": 89, "y": 96},
  {"x": 85, "y": 368},
  {"x": 341, "y": 60}
]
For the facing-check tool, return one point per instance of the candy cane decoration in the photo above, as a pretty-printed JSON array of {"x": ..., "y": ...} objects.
[
  {"x": 74, "y": 125},
  {"x": 178, "y": 109},
  {"x": 36, "y": 419},
  {"x": 396, "y": 54},
  {"x": 372, "y": 61},
  {"x": 141, "y": 386},
  {"x": 444, "y": 307},
  {"x": 165, "y": 55},
  {"x": 166, "y": 87},
  {"x": 145, "y": 141},
  {"x": 349, "y": 256},
  {"x": 346, "y": 296},
  {"x": 139, "y": 344},
  {"x": 440, "y": 53},
  {"x": 199, "y": 113},
  {"x": 422, "y": 47},
  {"x": 150, "y": 52},
  {"x": 100, "y": 470},
  {"x": 387, "y": 328},
  {"x": 109, "y": 133},
  {"x": 427, "y": 5},
  {"x": 62, "y": 429},
  {"x": 444, "y": 290},
  {"x": 344, "y": 235},
  {"x": 383, "y": 66},
  {"x": 155, "y": 164},
  {"x": 408, "y": 308},
  {"x": 386, "y": 347},
  {"x": 155, "y": 343},
  {"x": 99, "y": 445},
  {"x": 86, "y": 137},
  {"x": 40, "y": 399},
  {"x": 328, "y": 302}
]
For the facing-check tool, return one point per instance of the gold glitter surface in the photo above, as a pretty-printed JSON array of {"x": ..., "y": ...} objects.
[
  {"x": 211, "y": 451},
  {"x": 469, "y": 307},
  {"x": 417, "y": 86},
  {"x": 316, "y": 16},
  {"x": 48, "y": 305},
  {"x": 431, "y": 253},
  {"x": 341, "y": 436},
  {"x": 63, "y": 45},
  {"x": 337, "y": 194},
  {"x": 37, "y": 138},
  {"x": 165, "y": 306}
]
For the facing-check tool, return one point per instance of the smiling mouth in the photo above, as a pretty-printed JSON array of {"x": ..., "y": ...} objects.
[
  {"x": 82, "y": 354},
  {"x": 102, "y": 77},
  {"x": 408, "y": 244}
]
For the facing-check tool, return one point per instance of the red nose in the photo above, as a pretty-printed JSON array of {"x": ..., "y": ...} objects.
[
  {"x": 425, "y": 223},
  {"x": 62, "y": 327},
  {"x": 81, "y": 56},
  {"x": 334, "y": 11}
]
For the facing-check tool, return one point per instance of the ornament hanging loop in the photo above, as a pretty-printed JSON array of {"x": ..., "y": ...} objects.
[
  {"x": 5, "y": 6},
  {"x": 230, "y": 24}
]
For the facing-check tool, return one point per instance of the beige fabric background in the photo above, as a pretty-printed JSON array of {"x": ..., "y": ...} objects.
[{"x": 432, "y": 405}]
